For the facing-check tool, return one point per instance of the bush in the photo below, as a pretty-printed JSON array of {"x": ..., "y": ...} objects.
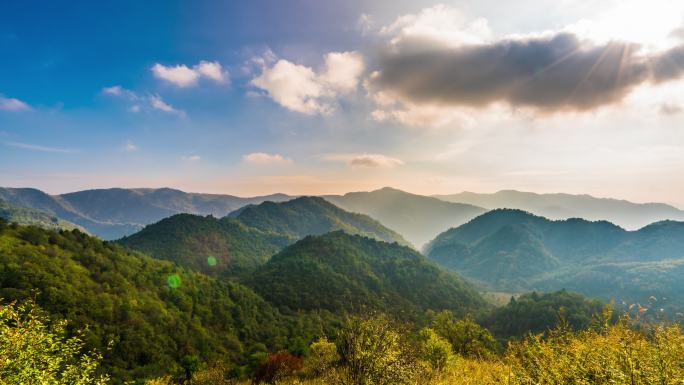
[
  {"x": 434, "y": 349},
  {"x": 466, "y": 336},
  {"x": 374, "y": 352},
  {"x": 322, "y": 357},
  {"x": 34, "y": 350},
  {"x": 616, "y": 355},
  {"x": 277, "y": 367}
]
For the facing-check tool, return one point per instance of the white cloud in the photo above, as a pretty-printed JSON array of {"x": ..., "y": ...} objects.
[
  {"x": 148, "y": 102},
  {"x": 365, "y": 160},
  {"x": 36, "y": 147},
  {"x": 342, "y": 70},
  {"x": 130, "y": 147},
  {"x": 158, "y": 103},
  {"x": 263, "y": 158},
  {"x": 299, "y": 88},
  {"x": 212, "y": 70},
  {"x": 183, "y": 76},
  {"x": 11, "y": 104},
  {"x": 440, "y": 24},
  {"x": 191, "y": 158},
  {"x": 293, "y": 87}
]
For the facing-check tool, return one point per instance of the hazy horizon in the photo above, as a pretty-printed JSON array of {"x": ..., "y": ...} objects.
[
  {"x": 325, "y": 98},
  {"x": 345, "y": 192}
]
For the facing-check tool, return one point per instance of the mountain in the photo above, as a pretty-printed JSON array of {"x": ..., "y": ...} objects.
[
  {"x": 512, "y": 250},
  {"x": 222, "y": 247},
  {"x": 418, "y": 218},
  {"x": 539, "y": 313},
  {"x": 116, "y": 212},
  {"x": 28, "y": 216},
  {"x": 626, "y": 214},
  {"x": 304, "y": 216},
  {"x": 237, "y": 244},
  {"x": 340, "y": 272},
  {"x": 144, "y": 315}
]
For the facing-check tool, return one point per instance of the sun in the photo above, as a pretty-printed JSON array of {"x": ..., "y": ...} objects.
[{"x": 650, "y": 23}]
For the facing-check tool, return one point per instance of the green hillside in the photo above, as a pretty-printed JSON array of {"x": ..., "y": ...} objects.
[
  {"x": 511, "y": 250},
  {"x": 144, "y": 315},
  {"x": 313, "y": 216},
  {"x": 340, "y": 272},
  {"x": 224, "y": 247}
]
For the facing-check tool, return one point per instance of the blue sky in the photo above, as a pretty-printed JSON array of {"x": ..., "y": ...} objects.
[{"x": 329, "y": 96}]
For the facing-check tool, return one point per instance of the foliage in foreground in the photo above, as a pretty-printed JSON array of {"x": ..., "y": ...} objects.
[
  {"x": 34, "y": 350},
  {"x": 372, "y": 351}
]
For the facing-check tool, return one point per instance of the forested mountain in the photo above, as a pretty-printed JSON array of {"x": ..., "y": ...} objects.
[
  {"x": 313, "y": 216},
  {"x": 514, "y": 250},
  {"x": 340, "y": 272},
  {"x": 152, "y": 312},
  {"x": 418, "y": 218},
  {"x": 221, "y": 247},
  {"x": 234, "y": 245},
  {"x": 113, "y": 213},
  {"x": 626, "y": 214},
  {"x": 28, "y": 216},
  {"x": 539, "y": 313}
]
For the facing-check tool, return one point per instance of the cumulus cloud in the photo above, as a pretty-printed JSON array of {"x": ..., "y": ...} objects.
[
  {"x": 138, "y": 102},
  {"x": 263, "y": 158},
  {"x": 365, "y": 160},
  {"x": 301, "y": 89},
  {"x": 183, "y": 76},
  {"x": 437, "y": 62},
  {"x": 11, "y": 104},
  {"x": 439, "y": 25}
]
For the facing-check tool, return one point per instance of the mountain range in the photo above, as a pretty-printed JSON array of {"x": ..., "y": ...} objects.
[
  {"x": 235, "y": 244},
  {"x": 147, "y": 315},
  {"x": 116, "y": 212},
  {"x": 418, "y": 218},
  {"x": 626, "y": 214},
  {"x": 34, "y": 217},
  {"x": 513, "y": 250}
]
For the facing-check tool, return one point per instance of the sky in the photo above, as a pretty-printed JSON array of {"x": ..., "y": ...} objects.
[{"x": 321, "y": 97}]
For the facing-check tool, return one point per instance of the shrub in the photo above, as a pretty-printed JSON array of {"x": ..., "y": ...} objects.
[
  {"x": 34, "y": 350},
  {"x": 466, "y": 336},
  {"x": 322, "y": 357},
  {"x": 434, "y": 349},
  {"x": 277, "y": 367},
  {"x": 374, "y": 352}
]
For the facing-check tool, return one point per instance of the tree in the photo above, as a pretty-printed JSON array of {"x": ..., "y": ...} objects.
[
  {"x": 435, "y": 349},
  {"x": 374, "y": 352},
  {"x": 34, "y": 350},
  {"x": 466, "y": 336},
  {"x": 322, "y": 357}
]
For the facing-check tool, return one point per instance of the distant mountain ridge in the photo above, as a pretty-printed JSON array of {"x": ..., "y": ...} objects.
[
  {"x": 513, "y": 250},
  {"x": 418, "y": 218},
  {"x": 116, "y": 212},
  {"x": 33, "y": 217},
  {"x": 624, "y": 213}
]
